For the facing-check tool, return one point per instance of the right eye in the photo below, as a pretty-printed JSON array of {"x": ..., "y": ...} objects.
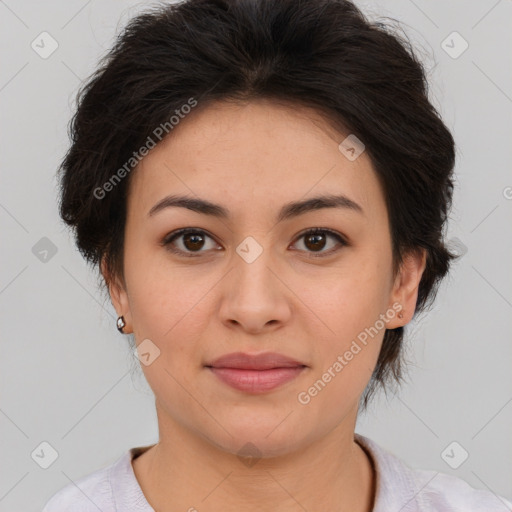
[{"x": 188, "y": 242}]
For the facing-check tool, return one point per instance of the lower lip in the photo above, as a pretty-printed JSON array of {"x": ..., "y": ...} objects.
[{"x": 256, "y": 381}]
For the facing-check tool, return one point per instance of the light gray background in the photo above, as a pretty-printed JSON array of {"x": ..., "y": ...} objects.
[{"x": 65, "y": 370}]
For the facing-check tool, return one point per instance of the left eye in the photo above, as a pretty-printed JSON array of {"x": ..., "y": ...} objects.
[
  {"x": 316, "y": 240},
  {"x": 194, "y": 240}
]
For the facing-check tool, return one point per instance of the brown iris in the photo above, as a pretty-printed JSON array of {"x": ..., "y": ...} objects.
[
  {"x": 315, "y": 241},
  {"x": 193, "y": 241}
]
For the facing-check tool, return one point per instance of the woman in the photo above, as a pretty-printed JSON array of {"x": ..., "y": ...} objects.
[{"x": 264, "y": 187}]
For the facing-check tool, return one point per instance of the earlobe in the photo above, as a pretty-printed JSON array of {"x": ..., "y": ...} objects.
[
  {"x": 118, "y": 297},
  {"x": 406, "y": 286}
]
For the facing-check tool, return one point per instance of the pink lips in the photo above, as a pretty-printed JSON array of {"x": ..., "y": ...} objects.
[{"x": 255, "y": 373}]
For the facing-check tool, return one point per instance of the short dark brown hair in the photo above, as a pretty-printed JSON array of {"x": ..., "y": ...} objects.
[{"x": 324, "y": 54}]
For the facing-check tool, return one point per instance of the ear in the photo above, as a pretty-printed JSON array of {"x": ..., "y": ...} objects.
[
  {"x": 405, "y": 287},
  {"x": 118, "y": 296}
]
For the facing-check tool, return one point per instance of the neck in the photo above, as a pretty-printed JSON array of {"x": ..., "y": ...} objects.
[{"x": 184, "y": 471}]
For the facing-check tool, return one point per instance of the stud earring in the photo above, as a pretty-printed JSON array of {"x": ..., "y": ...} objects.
[
  {"x": 400, "y": 315},
  {"x": 120, "y": 324}
]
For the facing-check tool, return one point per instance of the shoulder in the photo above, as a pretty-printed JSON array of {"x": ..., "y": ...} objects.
[
  {"x": 90, "y": 493},
  {"x": 440, "y": 491},
  {"x": 420, "y": 490}
]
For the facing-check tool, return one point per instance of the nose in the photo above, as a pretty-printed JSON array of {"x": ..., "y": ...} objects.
[{"x": 254, "y": 297}]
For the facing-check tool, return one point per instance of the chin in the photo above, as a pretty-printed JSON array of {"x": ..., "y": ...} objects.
[{"x": 257, "y": 436}]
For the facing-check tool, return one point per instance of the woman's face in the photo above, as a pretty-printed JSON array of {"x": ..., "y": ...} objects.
[{"x": 253, "y": 281}]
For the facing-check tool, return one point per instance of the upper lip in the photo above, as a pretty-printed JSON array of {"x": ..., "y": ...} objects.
[{"x": 263, "y": 361}]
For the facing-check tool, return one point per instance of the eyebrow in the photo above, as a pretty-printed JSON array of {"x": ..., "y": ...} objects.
[{"x": 288, "y": 211}]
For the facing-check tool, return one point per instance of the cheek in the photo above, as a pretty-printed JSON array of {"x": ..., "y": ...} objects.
[
  {"x": 345, "y": 360},
  {"x": 174, "y": 323},
  {"x": 350, "y": 305},
  {"x": 159, "y": 297},
  {"x": 169, "y": 307},
  {"x": 350, "y": 299}
]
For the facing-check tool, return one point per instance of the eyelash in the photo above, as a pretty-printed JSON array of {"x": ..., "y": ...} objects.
[{"x": 314, "y": 231}]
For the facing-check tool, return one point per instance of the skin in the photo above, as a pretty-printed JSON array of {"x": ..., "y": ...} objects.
[{"x": 252, "y": 158}]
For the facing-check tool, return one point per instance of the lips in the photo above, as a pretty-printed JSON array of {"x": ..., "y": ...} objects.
[
  {"x": 243, "y": 361},
  {"x": 259, "y": 373}
]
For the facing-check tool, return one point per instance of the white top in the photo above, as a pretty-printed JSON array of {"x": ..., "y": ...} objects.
[{"x": 399, "y": 488}]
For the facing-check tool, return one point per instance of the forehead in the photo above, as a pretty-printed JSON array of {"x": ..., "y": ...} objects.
[{"x": 256, "y": 154}]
